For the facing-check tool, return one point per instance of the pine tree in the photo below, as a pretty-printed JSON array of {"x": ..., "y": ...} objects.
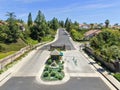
[
  {"x": 30, "y": 19},
  {"x": 40, "y": 28},
  {"x": 68, "y": 25},
  {"x": 54, "y": 24},
  {"x": 13, "y": 32}
]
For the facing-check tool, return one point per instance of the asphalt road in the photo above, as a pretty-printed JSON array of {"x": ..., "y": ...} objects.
[
  {"x": 29, "y": 83},
  {"x": 63, "y": 39},
  {"x": 25, "y": 77}
]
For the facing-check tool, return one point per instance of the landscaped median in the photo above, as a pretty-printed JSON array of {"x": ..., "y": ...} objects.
[
  {"x": 54, "y": 70},
  {"x": 54, "y": 67}
]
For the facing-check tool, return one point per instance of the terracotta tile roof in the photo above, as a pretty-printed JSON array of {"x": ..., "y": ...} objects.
[{"x": 92, "y": 32}]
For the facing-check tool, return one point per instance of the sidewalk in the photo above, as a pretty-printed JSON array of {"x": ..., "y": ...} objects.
[{"x": 106, "y": 74}]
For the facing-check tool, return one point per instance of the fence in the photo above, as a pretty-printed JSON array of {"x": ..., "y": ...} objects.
[{"x": 11, "y": 58}]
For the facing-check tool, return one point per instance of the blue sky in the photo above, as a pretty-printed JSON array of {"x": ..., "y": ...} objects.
[{"x": 89, "y": 11}]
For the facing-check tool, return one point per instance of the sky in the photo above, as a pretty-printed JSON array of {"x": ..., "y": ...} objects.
[{"x": 88, "y": 11}]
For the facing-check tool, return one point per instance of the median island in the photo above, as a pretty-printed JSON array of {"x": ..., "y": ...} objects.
[{"x": 54, "y": 67}]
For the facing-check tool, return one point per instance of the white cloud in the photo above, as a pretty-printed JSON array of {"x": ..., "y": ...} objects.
[{"x": 77, "y": 7}]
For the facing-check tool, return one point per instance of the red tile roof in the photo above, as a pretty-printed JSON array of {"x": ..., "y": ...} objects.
[{"x": 92, "y": 32}]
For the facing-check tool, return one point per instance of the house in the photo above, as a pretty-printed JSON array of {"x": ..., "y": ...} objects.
[
  {"x": 84, "y": 26},
  {"x": 91, "y": 34},
  {"x": 2, "y": 23}
]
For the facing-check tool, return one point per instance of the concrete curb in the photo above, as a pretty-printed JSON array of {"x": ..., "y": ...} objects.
[{"x": 40, "y": 81}]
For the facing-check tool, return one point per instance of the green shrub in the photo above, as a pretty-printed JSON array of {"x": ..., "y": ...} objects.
[
  {"x": 63, "y": 62},
  {"x": 117, "y": 76},
  {"x": 46, "y": 68},
  {"x": 61, "y": 67},
  {"x": 60, "y": 77},
  {"x": 49, "y": 62},
  {"x": 60, "y": 70},
  {"x": 45, "y": 74},
  {"x": 1, "y": 71},
  {"x": 53, "y": 74}
]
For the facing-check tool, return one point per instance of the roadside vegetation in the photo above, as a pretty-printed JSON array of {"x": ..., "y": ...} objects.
[
  {"x": 117, "y": 76},
  {"x": 16, "y": 34},
  {"x": 107, "y": 45}
]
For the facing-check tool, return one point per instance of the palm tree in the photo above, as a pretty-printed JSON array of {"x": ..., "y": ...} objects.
[
  {"x": 107, "y": 23},
  {"x": 11, "y": 16}
]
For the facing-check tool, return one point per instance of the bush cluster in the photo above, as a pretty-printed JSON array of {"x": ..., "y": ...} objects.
[{"x": 55, "y": 73}]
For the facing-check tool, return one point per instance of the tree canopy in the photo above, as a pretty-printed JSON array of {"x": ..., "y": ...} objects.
[{"x": 108, "y": 44}]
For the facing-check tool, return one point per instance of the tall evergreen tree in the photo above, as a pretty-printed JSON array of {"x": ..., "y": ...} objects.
[
  {"x": 61, "y": 23},
  {"x": 68, "y": 25},
  {"x": 40, "y": 28},
  {"x": 13, "y": 32},
  {"x": 29, "y": 20},
  {"x": 66, "y": 22},
  {"x": 54, "y": 24}
]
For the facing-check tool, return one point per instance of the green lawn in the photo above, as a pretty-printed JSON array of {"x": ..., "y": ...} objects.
[
  {"x": 8, "y": 49},
  {"x": 31, "y": 41},
  {"x": 12, "y": 46},
  {"x": 3, "y": 55},
  {"x": 117, "y": 76},
  {"x": 47, "y": 38}
]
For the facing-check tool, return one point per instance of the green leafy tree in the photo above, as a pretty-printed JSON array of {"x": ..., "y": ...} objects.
[
  {"x": 108, "y": 44},
  {"x": 3, "y": 34}
]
